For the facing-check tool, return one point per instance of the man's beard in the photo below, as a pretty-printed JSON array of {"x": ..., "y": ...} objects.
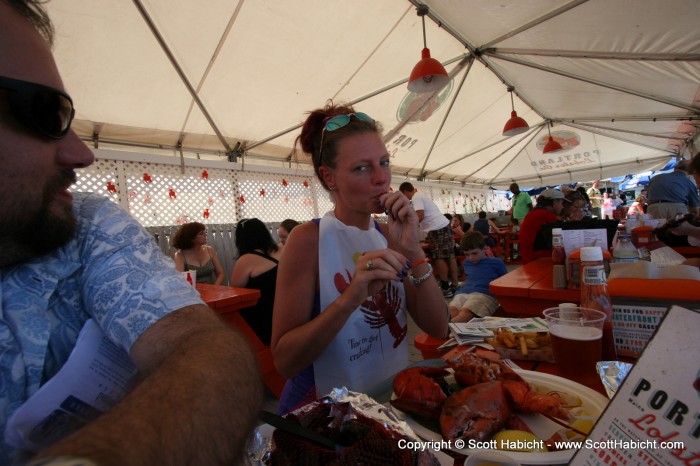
[{"x": 45, "y": 231}]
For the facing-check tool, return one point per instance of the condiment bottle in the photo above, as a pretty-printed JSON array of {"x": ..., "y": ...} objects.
[
  {"x": 624, "y": 250},
  {"x": 558, "y": 260},
  {"x": 594, "y": 294}
]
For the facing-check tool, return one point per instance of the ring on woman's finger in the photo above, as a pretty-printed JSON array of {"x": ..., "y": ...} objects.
[{"x": 369, "y": 265}]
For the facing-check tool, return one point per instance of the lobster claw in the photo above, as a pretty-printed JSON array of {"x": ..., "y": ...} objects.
[{"x": 419, "y": 392}]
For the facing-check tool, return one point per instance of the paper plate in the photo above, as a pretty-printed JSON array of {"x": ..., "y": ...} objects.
[{"x": 593, "y": 401}]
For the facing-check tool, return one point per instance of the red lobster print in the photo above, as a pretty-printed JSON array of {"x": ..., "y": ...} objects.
[{"x": 380, "y": 309}]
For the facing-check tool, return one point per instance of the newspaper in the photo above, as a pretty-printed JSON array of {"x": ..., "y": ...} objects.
[
  {"x": 96, "y": 376},
  {"x": 474, "y": 331}
]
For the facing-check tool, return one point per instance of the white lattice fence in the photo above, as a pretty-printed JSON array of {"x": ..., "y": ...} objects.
[{"x": 163, "y": 192}]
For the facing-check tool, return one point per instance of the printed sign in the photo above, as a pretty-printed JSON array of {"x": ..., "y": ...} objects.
[{"x": 654, "y": 418}]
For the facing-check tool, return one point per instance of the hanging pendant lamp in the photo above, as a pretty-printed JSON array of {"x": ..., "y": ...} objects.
[
  {"x": 552, "y": 145},
  {"x": 515, "y": 125},
  {"x": 428, "y": 75}
]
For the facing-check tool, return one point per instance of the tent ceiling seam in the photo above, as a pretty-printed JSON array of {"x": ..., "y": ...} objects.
[
  {"x": 372, "y": 53},
  {"x": 178, "y": 69},
  {"x": 212, "y": 60},
  {"x": 552, "y": 14}
]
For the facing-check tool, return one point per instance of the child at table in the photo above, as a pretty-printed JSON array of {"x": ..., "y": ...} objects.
[{"x": 473, "y": 298}]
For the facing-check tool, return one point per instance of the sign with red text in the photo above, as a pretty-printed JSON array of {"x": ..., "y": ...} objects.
[{"x": 654, "y": 418}]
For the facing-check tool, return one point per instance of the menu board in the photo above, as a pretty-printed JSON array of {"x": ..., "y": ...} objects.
[{"x": 654, "y": 418}]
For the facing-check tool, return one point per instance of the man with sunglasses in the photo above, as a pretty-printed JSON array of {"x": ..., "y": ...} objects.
[{"x": 68, "y": 258}]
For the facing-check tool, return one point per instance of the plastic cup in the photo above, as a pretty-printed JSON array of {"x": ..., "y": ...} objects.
[
  {"x": 577, "y": 341},
  {"x": 190, "y": 276}
]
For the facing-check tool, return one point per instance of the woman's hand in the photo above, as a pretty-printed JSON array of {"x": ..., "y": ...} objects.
[
  {"x": 373, "y": 270},
  {"x": 403, "y": 224}
]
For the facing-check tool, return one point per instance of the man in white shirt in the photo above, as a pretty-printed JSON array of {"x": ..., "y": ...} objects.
[{"x": 440, "y": 237}]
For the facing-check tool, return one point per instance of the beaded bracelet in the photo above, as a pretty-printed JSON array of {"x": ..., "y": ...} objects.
[{"x": 418, "y": 280}]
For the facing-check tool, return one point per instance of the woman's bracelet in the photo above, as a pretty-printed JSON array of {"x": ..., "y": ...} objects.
[{"x": 418, "y": 280}]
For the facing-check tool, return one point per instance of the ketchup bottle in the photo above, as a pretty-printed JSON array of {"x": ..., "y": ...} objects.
[{"x": 594, "y": 294}]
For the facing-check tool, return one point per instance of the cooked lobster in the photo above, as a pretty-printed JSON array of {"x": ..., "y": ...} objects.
[
  {"x": 420, "y": 391},
  {"x": 476, "y": 412},
  {"x": 470, "y": 369}
]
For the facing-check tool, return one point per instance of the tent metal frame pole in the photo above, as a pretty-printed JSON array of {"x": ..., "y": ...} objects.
[
  {"x": 596, "y": 55},
  {"x": 524, "y": 148},
  {"x": 173, "y": 61},
  {"x": 351, "y": 102},
  {"x": 447, "y": 114},
  {"x": 552, "y": 14},
  {"x": 469, "y": 154},
  {"x": 426, "y": 97},
  {"x": 596, "y": 82},
  {"x": 532, "y": 136},
  {"x": 613, "y": 119}
]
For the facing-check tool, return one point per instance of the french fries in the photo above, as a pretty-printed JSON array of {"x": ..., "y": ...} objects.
[{"x": 525, "y": 341}]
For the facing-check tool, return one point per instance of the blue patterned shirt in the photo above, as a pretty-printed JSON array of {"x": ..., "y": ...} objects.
[{"x": 112, "y": 271}]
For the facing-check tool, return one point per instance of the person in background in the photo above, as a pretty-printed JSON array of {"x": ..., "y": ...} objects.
[
  {"x": 623, "y": 198},
  {"x": 346, "y": 281},
  {"x": 515, "y": 230},
  {"x": 521, "y": 203},
  {"x": 473, "y": 298},
  {"x": 584, "y": 194},
  {"x": 608, "y": 206},
  {"x": 457, "y": 225},
  {"x": 284, "y": 230},
  {"x": 671, "y": 194},
  {"x": 256, "y": 268},
  {"x": 441, "y": 243},
  {"x": 691, "y": 231},
  {"x": 550, "y": 204},
  {"x": 485, "y": 227},
  {"x": 67, "y": 258},
  {"x": 193, "y": 253},
  {"x": 575, "y": 208},
  {"x": 637, "y": 207},
  {"x": 595, "y": 198}
]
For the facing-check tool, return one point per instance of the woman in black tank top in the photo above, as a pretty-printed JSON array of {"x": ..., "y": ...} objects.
[{"x": 256, "y": 268}]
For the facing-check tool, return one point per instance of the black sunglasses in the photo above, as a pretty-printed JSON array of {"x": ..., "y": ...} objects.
[{"x": 40, "y": 108}]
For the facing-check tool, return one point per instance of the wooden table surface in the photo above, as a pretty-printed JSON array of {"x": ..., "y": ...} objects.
[
  {"x": 224, "y": 299},
  {"x": 528, "y": 290}
]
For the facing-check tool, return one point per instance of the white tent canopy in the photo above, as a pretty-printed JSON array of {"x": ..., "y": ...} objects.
[{"x": 618, "y": 80}]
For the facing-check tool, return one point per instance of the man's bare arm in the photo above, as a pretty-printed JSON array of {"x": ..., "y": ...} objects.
[{"x": 196, "y": 403}]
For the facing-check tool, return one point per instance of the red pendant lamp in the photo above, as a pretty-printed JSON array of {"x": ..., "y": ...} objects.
[
  {"x": 515, "y": 125},
  {"x": 552, "y": 145},
  {"x": 428, "y": 75}
]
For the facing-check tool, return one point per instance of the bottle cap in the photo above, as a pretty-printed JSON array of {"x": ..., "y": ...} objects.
[
  {"x": 556, "y": 231},
  {"x": 591, "y": 254},
  {"x": 565, "y": 305}
]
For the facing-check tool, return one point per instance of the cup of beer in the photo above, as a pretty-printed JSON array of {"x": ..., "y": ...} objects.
[{"x": 577, "y": 341}]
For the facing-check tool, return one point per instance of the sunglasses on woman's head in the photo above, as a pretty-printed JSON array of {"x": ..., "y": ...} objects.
[
  {"x": 40, "y": 108},
  {"x": 338, "y": 122}
]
